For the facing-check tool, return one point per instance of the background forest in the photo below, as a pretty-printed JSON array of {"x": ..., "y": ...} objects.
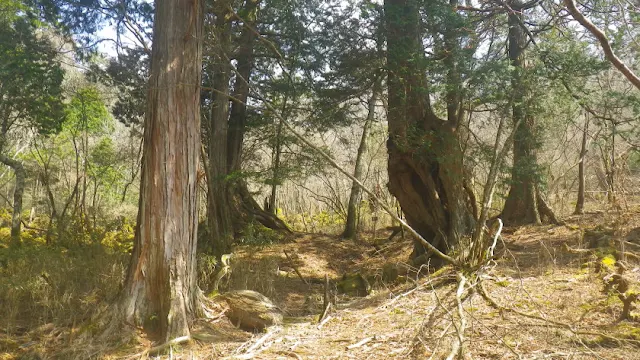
[{"x": 439, "y": 173}]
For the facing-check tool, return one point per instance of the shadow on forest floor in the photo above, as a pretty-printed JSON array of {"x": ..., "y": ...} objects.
[{"x": 411, "y": 319}]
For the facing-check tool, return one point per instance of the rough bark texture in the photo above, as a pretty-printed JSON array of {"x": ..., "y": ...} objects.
[
  {"x": 350, "y": 227},
  {"x": 18, "y": 191},
  {"x": 219, "y": 215},
  {"x": 160, "y": 292},
  {"x": 524, "y": 204},
  {"x": 425, "y": 160},
  {"x": 238, "y": 116},
  {"x": 230, "y": 205}
]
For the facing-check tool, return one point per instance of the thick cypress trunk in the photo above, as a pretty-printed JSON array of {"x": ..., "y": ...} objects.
[
  {"x": 160, "y": 292},
  {"x": 425, "y": 160},
  {"x": 219, "y": 211},
  {"x": 350, "y": 227},
  {"x": 238, "y": 116},
  {"x": 237, "y": 126},
  {"x": 18, "y": 192},
  {"x": 524, "y": 203},
  {"x": 230, "y": 205}
]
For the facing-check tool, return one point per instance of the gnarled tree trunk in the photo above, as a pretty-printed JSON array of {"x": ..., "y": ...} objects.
[
  {"x": 425, "y": 159},
  {"x": 160, "y": 291}
]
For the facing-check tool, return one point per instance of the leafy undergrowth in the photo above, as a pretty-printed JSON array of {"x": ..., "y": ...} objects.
[{"x": 410, "y": 318}]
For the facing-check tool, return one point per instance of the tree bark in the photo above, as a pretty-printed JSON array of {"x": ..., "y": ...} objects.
[
  {"x": 277, "y": 150},
  {"x": 160, "y": 291},
  {"x": 18, "y": 191},
  {"x": 238, "y": 115},
  {"x": 581, "y": 176},
  {"x": 350, "y": 227},
  {"x": 219, "y": 216},
  {"x": 271, "y": 206},
  {"x": 425, "y": 166},
  {"x": 52, "y": 203},
  {"x": 524, "y": 204},
  {"x": 230, "y": 205}
]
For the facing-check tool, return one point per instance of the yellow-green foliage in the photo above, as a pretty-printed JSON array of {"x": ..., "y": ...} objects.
[
  {"x": 324, "y": 218},
  {"x": 608, "y": 262},
  {"x": 628, "y": 331},
  {"x": 120, "y": 240}
]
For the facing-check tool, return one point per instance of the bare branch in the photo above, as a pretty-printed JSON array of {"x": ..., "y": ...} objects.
[{"x": 604, "y": 42}]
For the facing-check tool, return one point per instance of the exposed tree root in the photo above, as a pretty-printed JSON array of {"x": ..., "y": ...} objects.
[{"x": 545, "y": 210}]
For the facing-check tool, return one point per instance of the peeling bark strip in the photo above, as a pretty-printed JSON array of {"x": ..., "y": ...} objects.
[{"x": 160, "y": 292}]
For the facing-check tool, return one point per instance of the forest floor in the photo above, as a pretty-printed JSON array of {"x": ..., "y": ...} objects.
[{"x": 415, "y": 317}]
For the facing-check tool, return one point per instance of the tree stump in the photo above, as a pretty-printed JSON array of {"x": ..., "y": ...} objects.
[{"x": 251, "y": 311}]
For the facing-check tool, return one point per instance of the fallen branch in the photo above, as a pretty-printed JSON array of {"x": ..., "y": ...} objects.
[
  {"x": 593, "y": 251},
  {"x": 360, "y": 343},
  {"x": 252, "y": 350},
  {"x": 258, "y": 343},
  {"x": 295, "y": 268},
  {"x": 289, "y": 353},
  {"x": 324, "y": 321},
  {"x": 457, "y": 348},
  {"x": 156, "y": 349}
]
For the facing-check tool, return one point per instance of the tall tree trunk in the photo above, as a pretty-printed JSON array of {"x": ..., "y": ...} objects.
[
  {"x": 581, "y": 176},
  {"x": 230, "y": 205},
  {"x": 238, "y": 191},
  {"x": 425, "y": 159},
  {"x": 85, "y": 170},
  {"x": 52, "y": 203},
  {"x": 350, "y": 227},
  {"x": 611, "y": 174},
  {"x": 76, "y": 204},
  {"x": 522, "y": 205},
  {"x": 94, "y": 205},
  {"x": 219, "y": 216},
  {"x": 238, "y": 115},
  {"x": 18, "y": 191},
  {"x": 160, "y": 291},
  {"x": 270, "y": 206}
]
